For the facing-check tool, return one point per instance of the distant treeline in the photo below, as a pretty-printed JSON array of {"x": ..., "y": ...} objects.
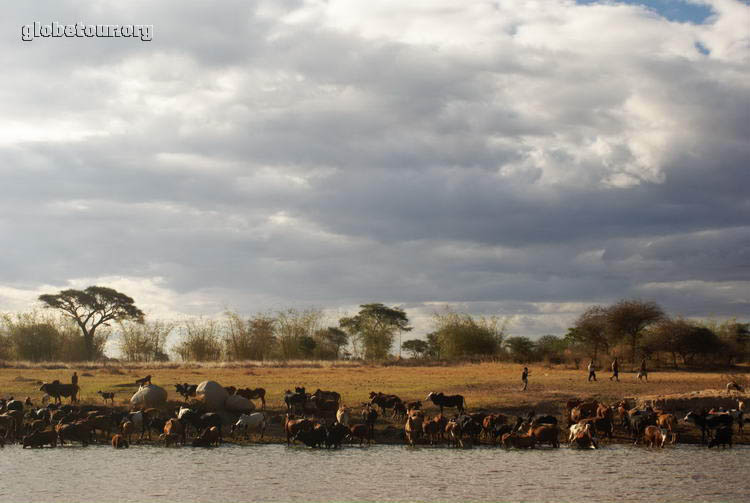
[{"x": 629, "y": 329}]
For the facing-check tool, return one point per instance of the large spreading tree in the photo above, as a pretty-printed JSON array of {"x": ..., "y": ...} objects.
[
  {"x": 629, "y": 318},
  {"x": 374, "y": 328},
  {"x": 92, "y": 308}
]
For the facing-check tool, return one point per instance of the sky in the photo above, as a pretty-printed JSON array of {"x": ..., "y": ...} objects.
[{"x": 524, "y": 159}]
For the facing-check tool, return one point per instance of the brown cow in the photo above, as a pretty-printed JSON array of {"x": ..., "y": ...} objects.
[
  {"x": 654, "y": 436},
  {"x": 546, "y": 434},
  {"x": 413, "y": 427},
  {"x": 119, "y": 442},
  {"x": 293, "y": 426},
  {"x": 175, "y": 428},
  {"x": 78, "y": 432},
  {"x": 583, "y": 439},
  {"x": 127, "y": 428},
  {"x": 253, "y": 394},
  {"x": 518, "y": 441},
  {"x": 587, "y": 409},
  {"x": 669, "y": 423},
  {"x": 209, "y": 437},
  {"x": 360, "y": 431},
  {"x": 40, "y": 439}
]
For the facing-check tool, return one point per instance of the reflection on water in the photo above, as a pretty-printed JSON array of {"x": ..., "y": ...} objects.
[{"x": 379, "y": 473}]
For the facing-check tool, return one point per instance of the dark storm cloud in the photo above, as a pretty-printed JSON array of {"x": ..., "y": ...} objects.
[{"x": 269, "y": 154}]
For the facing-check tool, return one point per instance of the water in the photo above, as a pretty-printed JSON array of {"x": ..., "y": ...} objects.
[{"x": 378, "y": 473}]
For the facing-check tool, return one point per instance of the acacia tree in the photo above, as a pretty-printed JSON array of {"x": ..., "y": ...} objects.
[
  {"x": 92, "y": 308},
  {"x": 417, "y": 347},
  {"x": 374, "y": 328},
  {"x": 629, "y": 318},
  {"x": 590, "y": 331}
]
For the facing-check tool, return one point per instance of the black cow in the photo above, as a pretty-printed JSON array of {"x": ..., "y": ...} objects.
[
  {"x": 313, "y": 438},
  {"x": 295, "y": 401},
  {"x": 369, "y": 416},
  {"x": 56, "y": 389},
  {"x": 442, "y": 400},
  {"x": 384, "y": 401},
  {"x": 707, "y": 422},
  {"x": 335, "y": 435},
  {"x": 638, "y": 421},
  {"x": 722, "y": 437}
]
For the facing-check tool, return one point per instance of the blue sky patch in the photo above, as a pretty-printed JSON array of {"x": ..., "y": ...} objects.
[{"x": 674, "y": 10}]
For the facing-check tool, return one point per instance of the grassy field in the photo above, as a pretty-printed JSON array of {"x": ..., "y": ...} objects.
[{"x": 493, "y": 386}]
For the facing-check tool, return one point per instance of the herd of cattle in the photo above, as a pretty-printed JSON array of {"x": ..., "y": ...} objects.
[{"x": 320, "y": 419}]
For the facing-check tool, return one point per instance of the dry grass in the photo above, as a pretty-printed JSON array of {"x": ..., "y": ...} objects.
[{"x": 484, "y": 385}]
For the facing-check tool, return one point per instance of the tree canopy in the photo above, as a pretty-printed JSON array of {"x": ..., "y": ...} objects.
[
  {"x": 373, "y": 329},
  {"x": 92, "y": 308}
]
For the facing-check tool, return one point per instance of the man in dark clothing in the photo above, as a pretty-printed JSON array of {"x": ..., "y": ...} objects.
[
  {"x": 615, "y": 371},
  {"x": 74, "y": 379},
  {"x": 592, "y": 371}
]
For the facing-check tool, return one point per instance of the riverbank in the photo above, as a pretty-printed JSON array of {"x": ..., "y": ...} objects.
[{"x": 490, "y": 387}]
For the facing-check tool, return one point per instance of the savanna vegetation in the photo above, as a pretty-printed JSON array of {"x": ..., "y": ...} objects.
[{"x": 76, "y": 325}]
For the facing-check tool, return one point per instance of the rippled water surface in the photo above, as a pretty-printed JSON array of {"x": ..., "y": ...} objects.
[{"x": 379, "y": 473}]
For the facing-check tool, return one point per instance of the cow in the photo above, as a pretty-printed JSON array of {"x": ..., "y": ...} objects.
[
  {"x": 501, "y": 429},
  {"x": 362, "y": 432},
  {"x": 107, "y": 395},
  {"x": 186, "y": 390},
  {"x": 127, "y": 428},
  {"x": 295, "y": 402},
  {"x": 669, "y": 423},
  {"x": 415, "y": 405},
  {"x": 314, "y": 437},
  {"x": 518, "y": 441},
  {"x": 399, "y": 410},
  {"x": 57, "y": 390},
  {"x": 174, "y": 429},
  {"x": 343, "y": 415},
  {"x": 251, "y": 422},
  {"x": 653, "y": 436},
  {"x": 336, "y": 434},
  {"x": 546, "y": 434},
  {"x": 432, "y": 429},
  {"x": 542, "y": 420},
  {"x": 413, "y": 427},
  {"x": 638, "y": 421},
  {"x": 707, "y": 422},
  {"x": 209, "y": 437},
  {"x": 254, "y": 394},
  {"x": 119, "y": 442},
  {"x": 293, "y": 426},
  {"x": 442, "y": 401},
  {"x": 77, "y": 432},
  {"x": 583, "y": 439},
  {"x": 722, "y": 437},
  {"x": 600, "y": 424},
  {"x": 583, "y": 410},
  {"x": 384, "y": 401},
  {"x": 327, "y": 395},
  {"x": 40, "y": 439}
]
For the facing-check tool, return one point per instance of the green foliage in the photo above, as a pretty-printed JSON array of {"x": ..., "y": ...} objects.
[
  {"x": 590, "y": 332},
  {"x": 35, "y": 336},
  {"x": 520, "y": 349},
  {"x": 417, "y": 347},
  {"x": 293, "y": 329},
  {"x": 628, "y": 319},
  {"x": 92, "y": 308},
  {"x": 252, "y": 339},
  {"x": 551, "y": 348},
  {"x": 328, "y": 343},
  {"x": 144, "y": 342},
  {"x": 459, "y": 335},
  {"x": 201, "y": 341},
  {"x": 373, "y": 329}
]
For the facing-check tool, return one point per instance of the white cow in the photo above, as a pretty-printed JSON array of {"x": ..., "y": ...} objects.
[
  {"x": 251, "y": 422},
  {"x": 343, "y": 415}
]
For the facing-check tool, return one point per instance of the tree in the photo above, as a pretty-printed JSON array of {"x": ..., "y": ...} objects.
[
  {"x": 416, "y": 347},
  {"x": 144, "y": 342},
  {"x": 590, "y": 331},
  {"x": 330, "y": 341},
  {"x": 551, "y": 348},
  {"x": 373, "y": 329},
  {"x": 291, "y": 326},
  {"x": 460, "y": 335},
  {"x": 628, "y": 319},
  {"x": 201, "y": 341},
  {"x": 521, "y": 349},
  {"x": 92, "y": 308}
]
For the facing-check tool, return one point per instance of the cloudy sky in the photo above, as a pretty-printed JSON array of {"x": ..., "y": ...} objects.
[{"x": 518, "y": 158}]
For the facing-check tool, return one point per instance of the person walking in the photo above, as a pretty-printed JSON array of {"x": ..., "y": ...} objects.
[
  {"x": 525, "y": 378},
  {"x": 643, "y": 373},
  {"x": 592, "y": 371},
  {"x": 615, "y": 371},
  {"x": 74, "y": 379}
]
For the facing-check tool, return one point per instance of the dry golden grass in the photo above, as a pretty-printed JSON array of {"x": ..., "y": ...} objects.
[{"x": 494, "y": 386}]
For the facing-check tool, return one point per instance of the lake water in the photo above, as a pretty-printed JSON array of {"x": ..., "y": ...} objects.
[{"x": 379, "y": 473}]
